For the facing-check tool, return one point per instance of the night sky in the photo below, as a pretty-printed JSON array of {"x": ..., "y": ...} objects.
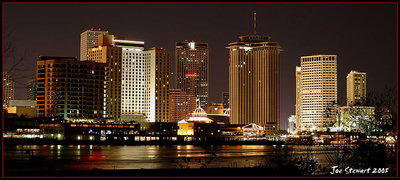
[{"x": 363, "y": 36}]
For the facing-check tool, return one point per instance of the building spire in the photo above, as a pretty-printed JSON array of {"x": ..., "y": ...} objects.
[
  {"x": 255, "y": 23},
  {"x": 198, "y": 99}
]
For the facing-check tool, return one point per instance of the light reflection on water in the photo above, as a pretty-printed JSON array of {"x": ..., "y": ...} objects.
[{"x": 87, "y": 157}]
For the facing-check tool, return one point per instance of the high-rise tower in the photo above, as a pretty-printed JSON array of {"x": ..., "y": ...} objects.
[
  {"x": 110, "y": 54},
  {"x": 318, "y": 91},
  {"x": 70, "y": 88},
  {"x": 254, "y": 81},
  {"x": 31, "y": 90},
  {"x": 356, "y": 87},
  {"x": 89, "y": 39},
  {"x": 8, "y": 89},
  {"x": 191, "y": 66},
  {"x": 298, "y": 99}
]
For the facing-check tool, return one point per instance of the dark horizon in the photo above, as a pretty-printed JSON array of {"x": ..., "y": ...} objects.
[{"x": 363, "y": 36}]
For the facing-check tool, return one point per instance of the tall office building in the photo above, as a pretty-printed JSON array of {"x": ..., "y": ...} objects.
[
  {"x": 31, "y": 90},
  {"x": 254, "y": 81},
  {"x": 181, "y": 105},
  {"x": 70, "y": 88},
  {"x": 135, "y": 91},
  {"x": 298, "y": 99},
  {"x": 318, "y": 91},
  {"x": 225, "y": 99},
  {"x": 356, "y": 87},
  {"x": 159, "y": 84},
  {"x": 191, "y": 66},
  {"x": 108, "y": 53},
  {"x": 138, "y": 79},
  {"x": 8, "y": 89},
  {"x": 89, "y": 39}
]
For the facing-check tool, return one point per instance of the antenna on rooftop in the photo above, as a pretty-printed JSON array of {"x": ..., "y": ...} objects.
[{"x": 255, "y": 23}]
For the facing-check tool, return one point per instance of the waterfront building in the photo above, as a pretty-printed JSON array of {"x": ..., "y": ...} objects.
[
  {"x": 70, "y": 88},
  {"x": 199, "y": 115},
  {"x": 318, "y": 91},
  {"x": 31, "y": 90},
  {"x": 110, "y": 55},
  {"x": 291, "y": 124},
  {"x": 181, "y": 105},
  {"x": 192, "y": 66},
  {"x": 186, "y": 127},
  {"x": 298, "y": 99},
  {"x": 215, "y": 108},
  {"x": 225, "y": 99},
  {"x": 254, "y": 81},
  {"x": 8, "y": 89},
  {"x": 253, "y": 131},
  {"x": 89, "y": 39},
  {"x": 27, "y": 108},
  {"x": 356, "y": 87}
]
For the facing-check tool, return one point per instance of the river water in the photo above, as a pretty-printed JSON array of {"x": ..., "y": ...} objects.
[{"x": 88, "y": 157}]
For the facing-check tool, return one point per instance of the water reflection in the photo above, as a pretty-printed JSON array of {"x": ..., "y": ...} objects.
[{"x": 87, "y": 157}]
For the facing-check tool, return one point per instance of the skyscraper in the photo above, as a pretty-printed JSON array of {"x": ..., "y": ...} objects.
[
  {"x": 8, "y": 89},
  {"x": 70, "y": 88},
  {"x": 225, "y": 99},
  {"x": 89, "y": 39},
  {"x": 356, "y": 87},
  {"x": 135, "y": 91},
  {"x": 107, "y": 53},
  {"x": 159, "y": 84},
  {"x": 31, "y": 90},
  {"x": 138, "y": 79},
  {"x": 181, "y": 105},
  {"x": 318, "y": 91},
  {"x": 254, "y": 81},
  {"x": 191, "y": 66},
  {"x": 298, "y": 99}
]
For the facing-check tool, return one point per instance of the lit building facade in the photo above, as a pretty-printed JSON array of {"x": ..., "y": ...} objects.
[
  {"x": 111, "y": 55},
  {"x": 298, "y": 99},
  {"x": 356, "y": 87},
  {"x": 159, "y": 84},
  {"x": 254, "y": 82},
  {"x": 291, "y": 124},
  {"x": 225, "y": 99},
  {"x": 318, "y": 91},
  {"x": 31, "y": 90},
  {"x": 215, "y": 108},
  {"x": 70, "y": 88},
  {"x": 89, "y": 39},
  {"x": 191, "y": 66},
  {"x": 181, "y": 105},
  {"x": 135, "y": 89},
  {"x": 137, "y": 79},
  {"x": 187, "y": 126},
  {"x": 8, "y": 89}
]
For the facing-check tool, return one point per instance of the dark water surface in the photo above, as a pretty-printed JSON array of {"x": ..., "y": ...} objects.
[{"x": 88, "y": 157}]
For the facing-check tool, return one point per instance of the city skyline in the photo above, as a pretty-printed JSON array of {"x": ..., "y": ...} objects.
[{"x": 347, "y": 34}]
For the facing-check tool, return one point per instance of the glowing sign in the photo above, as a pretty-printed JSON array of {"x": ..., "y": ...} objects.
[{"x": 192, "y": 75}]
